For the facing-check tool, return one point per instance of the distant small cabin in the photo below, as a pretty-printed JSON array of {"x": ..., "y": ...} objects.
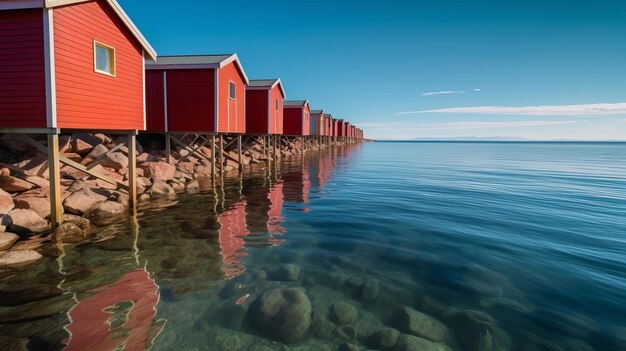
[
  {"x": 71, "y": 64},
  {"x": 264, "y": 107},
  {"x": 341, "y": 128},
  {"x": 334, "y": 127},
  {"x": 297, "y": 118},
  {"x": 205, "y": 93},
  {"x": 316, "y": 125},
  {"x": 328, "y": 125}
]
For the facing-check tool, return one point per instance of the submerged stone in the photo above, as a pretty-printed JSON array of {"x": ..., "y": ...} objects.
[
  {"x": 371, "y": 290},
  {"x": 386, "y": 338},
  {"x": 289, "y": 272},
  {"x": 419, "y": 324},
  {"x": 7, "y": 240},
  {"x": 14, "y": 259},
  {"x": 343, "y": 313},
  {"x": 478, "y": 331},
  {"x": 282, "y": 314},
  {"x": 414, "y": 343}
]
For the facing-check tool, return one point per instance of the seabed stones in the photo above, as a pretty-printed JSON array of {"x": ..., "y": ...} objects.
[{"x": 282, "y": 314}]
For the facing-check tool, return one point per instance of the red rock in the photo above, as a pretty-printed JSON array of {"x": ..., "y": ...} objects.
[
  {"x": 161, "y": 189},
  {"x": 26, "y": 221},
  {"x": 7, "y": 240},
  {"x": 115, "y": 160},
  {"x": 105, "y": 213},
  {"x": 6, "y": 203},
  {"x": 12, "y": 184},
  {"x": 37, "y": 204},
  {"x": 158, "y": 170},
  {"x": 81, "y": 201},
  {"x": 96, "y": 152},
  {"x": 65, "y": 144},
  {"x": 83, "y": 143}
]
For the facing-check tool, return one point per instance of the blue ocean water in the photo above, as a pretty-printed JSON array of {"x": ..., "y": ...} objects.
[{"x": 505, "y": 246}]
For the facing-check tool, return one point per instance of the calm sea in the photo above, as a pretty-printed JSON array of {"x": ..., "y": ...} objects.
[{"x": 464, "y": 246}]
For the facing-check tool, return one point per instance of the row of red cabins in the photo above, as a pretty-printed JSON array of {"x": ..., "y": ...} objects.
[{"x": 72, "y": 64}]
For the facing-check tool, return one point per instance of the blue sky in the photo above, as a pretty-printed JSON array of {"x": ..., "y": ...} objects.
[{"x": 404, "y": 69}]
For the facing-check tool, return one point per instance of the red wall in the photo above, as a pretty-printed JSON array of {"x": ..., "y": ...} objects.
[
  {"x": 191, "y": 100},
  {"x": 89, "y": 100},
  {"x": 256, "y": 111},
  {"x": 155, "y": 107},
  {"x": 276, "y": 116},
  {"x": 232, "y": 112},
  {"x": 22, "y": 69},
  {"x": 306, "y": 127},
  {"x": 292, "y": 117}
]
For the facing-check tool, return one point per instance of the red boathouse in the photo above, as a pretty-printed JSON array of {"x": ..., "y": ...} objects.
[
  {"x": 71, "y": 64},
  {"x": 264, "y": 107},
  {"x": 297, "y": 118},
  {"x": 317, "y": 122},
  {"x": 196, "y": 94}
]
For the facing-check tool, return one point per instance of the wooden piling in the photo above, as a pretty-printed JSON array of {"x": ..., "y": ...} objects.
[
  {"x": 132, "y": 169},
  {"x": 240, "y": 154},
  {"x": 54, "y": 169},
  {"x": 213, "y": 158},
  {"x": 168, "y": 148}
]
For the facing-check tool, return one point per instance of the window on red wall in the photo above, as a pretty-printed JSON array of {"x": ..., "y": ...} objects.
[
  {"x": 276, "y": 104},
  {"x": 232, "y": 90}
]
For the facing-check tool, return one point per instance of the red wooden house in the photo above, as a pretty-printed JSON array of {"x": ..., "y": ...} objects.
[
  {"x": 335, "y": 127},
  {"x": 328, "y": 129},
  {"x": 203, "y": 93},
  {"x": 297, "y": 118},
  {"x": 317, "y": 122},
  {"x": 340, "y": 128},
  {"x": 264, "y": 107},
  {"x": 71, "y": 64}
]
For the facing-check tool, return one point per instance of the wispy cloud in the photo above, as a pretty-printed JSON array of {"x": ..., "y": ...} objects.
[
  {"x": 404, "y": 126},
  {"x": 541, "y": 110},
  {"x": 445, "y": 92},
  {"x": 478, "y": 90}
]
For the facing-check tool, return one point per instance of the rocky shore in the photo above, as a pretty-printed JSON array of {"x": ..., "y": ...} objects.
[{"x": 87, "y": 200}]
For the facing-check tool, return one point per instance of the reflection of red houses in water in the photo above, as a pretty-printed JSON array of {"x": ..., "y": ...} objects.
[
  {"x": 118, "y": 316},
  {"x": 297, "y": 184},
  {"x": 232, "y": 231},
  {"x": 275, "y": 212},
  {"x": 324, "y": 170}
]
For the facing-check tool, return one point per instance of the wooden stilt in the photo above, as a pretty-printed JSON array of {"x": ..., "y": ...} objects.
[
  {"x": 54, "y": 169},
  {"x": 240, "y": 154},
  {"x": 168, "y": 148},
  {"x": 221, "y": 154},
  {"x": 213, "y": 158},
  {"x": 132, "y": 170}
]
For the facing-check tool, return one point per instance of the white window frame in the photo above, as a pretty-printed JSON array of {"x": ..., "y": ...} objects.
[
  {"x": 114, "y": 59},
  {"x": 231, "y": 83}
]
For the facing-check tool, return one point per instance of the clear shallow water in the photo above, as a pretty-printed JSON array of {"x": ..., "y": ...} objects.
[{"x": 511, "y": 246}]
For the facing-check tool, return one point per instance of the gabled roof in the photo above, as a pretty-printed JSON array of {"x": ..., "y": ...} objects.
[
  {"x": 266, "y": 84},
  {"x": 197, "y": 62},
  {"x": 317, "y": 112},
  {"x": 31, "y": 4},
  {"x": 296, "y": 103}
]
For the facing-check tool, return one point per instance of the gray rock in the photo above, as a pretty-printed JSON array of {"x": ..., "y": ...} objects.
[
  {"x": 367, "y": 325},
  {"x": 260, "y": 275},
  {"x": 7, "y": 240},
  {"x": 343, "y": 313},
  {"x": 12, "y": 184},
  {"x": 371, "y": 290},
  {"x": 386, "y": 338},
  {"x": 26, "y": 221},
  {"x": 289, "y": 272},
  {"x": 282, "y": 314},
  {"x": 419, "y": 324},
  {"x": 413, "y": 343},
  {"x": 15, "y": 259},
  {"x": 105, "y": 213},
  {"x": 477, "y": 331},
  {"x": 355, "y": 281},
  {"x": 346, "y": 333},
  {"x": 82, "y": 201}
]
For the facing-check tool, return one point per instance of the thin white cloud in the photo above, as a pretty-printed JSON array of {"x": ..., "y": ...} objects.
[
  {"x": 478, "y": 90},
  {"x": 541, "y": 110},
  {"x": 404, "y": 126},
  {"x": 445, "y": 92}
]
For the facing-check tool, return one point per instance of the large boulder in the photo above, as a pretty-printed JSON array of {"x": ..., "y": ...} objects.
[
  {"x": 14, "y": 259},
  {"x": 105, "y": 213},
  {"x": 420, "y": 324},
  {"x": 282, "y": 314},
  {"x": 12, "y": 184},
  {"x": 83, "y": 143},
  {"x": 162, "y": 171},
  {"x": 82, "y": 200},
  {"x": 477, "y": 331},
  {"x": 96, "y": 152},
  {"x": 25, "y": 222},
  {"x": 38, "y": 204},
  {"x": 7, "y": 240}
]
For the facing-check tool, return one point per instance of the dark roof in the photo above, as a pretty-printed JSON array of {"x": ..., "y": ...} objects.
[
  {"x": 317, "y": 112},
  {"x": 190, "y": 60},
  {"x": 265, "y": 83},
  {"x": 295, "y": 103}
]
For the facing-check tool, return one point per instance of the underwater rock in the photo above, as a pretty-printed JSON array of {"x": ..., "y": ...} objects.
[
  {"x": 282, "y": 314},
  {"x": 260, "y": 275},
  {"x": 322, "y": 327},
  {"x": 355, "y": 282},
  {"x": 73, "y": 229},
  {"x": 346, "y": 333},
  {"x": 367, "y": 325},
  {"x": 386, "y": 338},
  {"x": 343, "y": 313},
  {"x": 288, "y": 272},
  {"x": 349, "y": 347},
  {"x": 478, "y": 331},
  {"x": 161, "y": 189},
  {"x": 14, "y": 259},
  {"x": 13, "y": 344},
  {"x": 419, "y": 324},
  {"x": 371, "y": 290},
  {"x": 413, "y": 343}
]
